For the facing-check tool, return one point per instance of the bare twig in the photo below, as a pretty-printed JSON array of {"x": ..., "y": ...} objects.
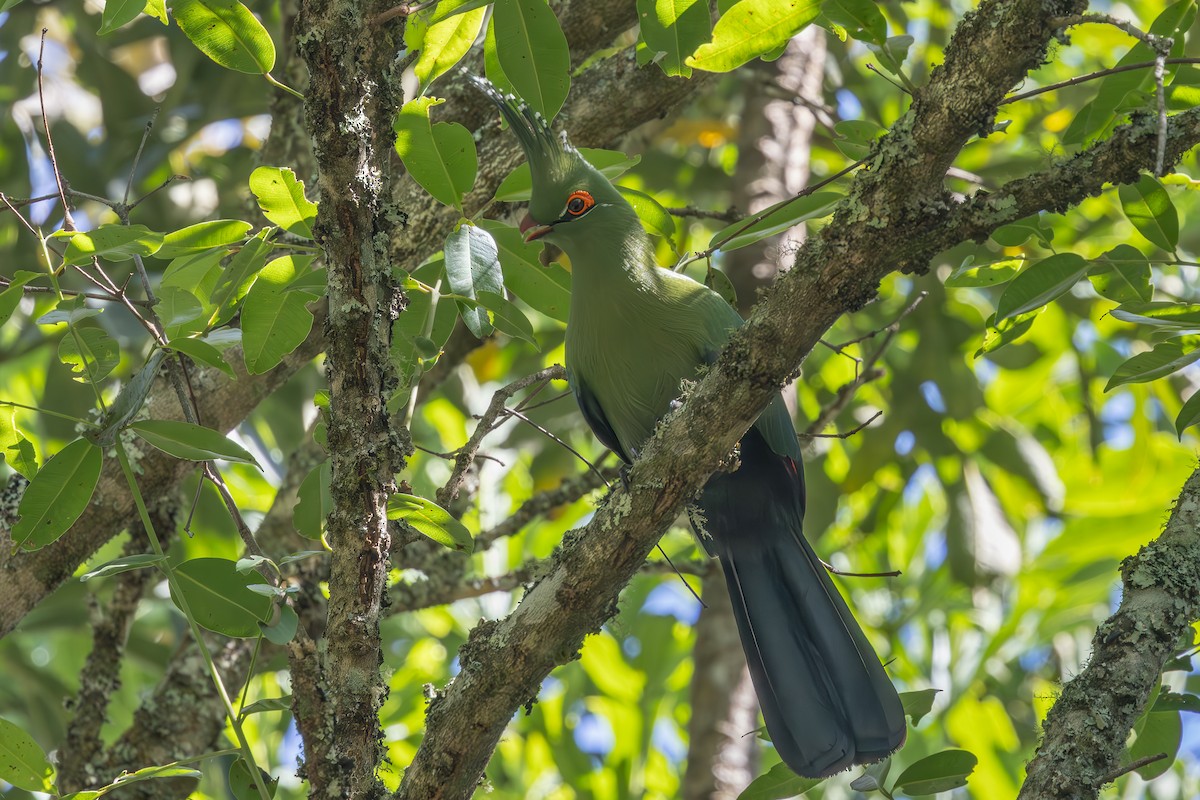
[
  {"x": 138, "y": 155},
  {"x": 1091, "y": 76},
  {"x": 491, "y": 419},
  {"x": 68, "y": 221}
]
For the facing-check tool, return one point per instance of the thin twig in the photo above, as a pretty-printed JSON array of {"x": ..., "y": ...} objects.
[
  {"x": 1130, "y": 767},
  {"x": 138, "y": 155},
  {"x": 514, "y": 413},
  {"x": 68, "y": 221},
  {"x": 855, "y": 429},
  {"x": 158, "y": 188},
  {"x": 832, "y": 570},
  {"x": 1091, "y": 76}
]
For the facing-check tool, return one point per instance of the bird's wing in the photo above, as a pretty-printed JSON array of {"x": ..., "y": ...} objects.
[{"x": 594, "y": 415}]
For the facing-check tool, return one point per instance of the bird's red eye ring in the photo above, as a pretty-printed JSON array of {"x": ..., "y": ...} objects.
[{"x": 579, "y": 203}]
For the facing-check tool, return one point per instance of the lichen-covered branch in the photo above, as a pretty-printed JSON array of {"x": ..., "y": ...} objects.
[
  {"x": 354, "y": 94},
  {"x": 899, "y": 207},
  {"x": 1085, "y": 731}
]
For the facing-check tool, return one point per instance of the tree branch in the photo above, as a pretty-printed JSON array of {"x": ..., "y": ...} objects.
[{"x": 1084, "y": 733}]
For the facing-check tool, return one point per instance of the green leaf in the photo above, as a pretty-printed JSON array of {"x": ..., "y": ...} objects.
[
  {"x": 991, "y": 273},
  {"x": 10, "y": 298},
  {"x": 1189, "y": 415},
  {"x": 15, "y": 449},
  {"x": 778, "y": 783},
  {"x": 546, "y": 289},
  {"x": 238, "y": 275},
  {"x": 226, "y": 32},
  {"x": 473, "y": 265},
  {"x": 440, "y": 157},
  {"x": 1148, "y": 206},
  {"x": 58, "y": 495},
  {"x": 1040, "y": 283},
  {"x": 90, "y": 353},
  {"x": 118, "y": 13},
  {"x": 1167, "y": 357},
  {"x": 673, "y": 29},
  {"x": 152, "y": 773},
  {"x": 446, "y": 42},
  {"x": 491, "y": 60},
  {"x": 202, "y": 352},
  {"x": 181, "y": 312},
  {"x": 507, "y": 317},
  {"x": 241, "y": 781},
  {"x": 202, "y": 237},
  {"x": 69, "y": 310},
  {"x": 1006, "y": 331},
  {"x": 269, "y": 704},
  {"x": 1122, "y": 274},
  {"x": 775, "y": 220},
  {"x": 190, "y": 442},
  {"x": 110, "y": 242},
  {"x": 23, "y": 762},
  {"x": 719, "y": 282},
  {"x": 156, "y": 9},
  {"x": 939, "y": 772},
  {"x": 275, "y": 321},
  {"x": 860, "y": 18},
  {"x": 1113, "y": 90},
  {"x": 196, "y": 272},
  {"x": 918, "y": 703},
  {"x": 217, "y": 596},
  {"x": 1161, "y": 314},
  {"x": 281, "y": 198},
  {"x": 1015, "y": 234},
  {"x": 431, "y": 520},
  {"x": 518, "y": 185},
  {"x": 752, "y": 28},
  {"x": 129, "y": 401},
  {"x": 1174, "y": 701},
  {"x": 533, "y": 53},
  {"x": 313, "y": 502},
  {"x": 654, "y": 217},
  {"x": 283, "y": 630},
  {"x": 857, "y": 136},
  {"x": 1157, "y": 732},
  {"x": 122, "y": 564}
]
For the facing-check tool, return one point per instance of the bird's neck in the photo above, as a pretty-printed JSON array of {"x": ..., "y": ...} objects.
[{"x": 609, "y": 266}]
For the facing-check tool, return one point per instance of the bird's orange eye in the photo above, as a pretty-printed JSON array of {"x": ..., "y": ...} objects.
[{"x": 579, "y": 203}]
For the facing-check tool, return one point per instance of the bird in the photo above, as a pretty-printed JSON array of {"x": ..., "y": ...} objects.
[{"x": 634, "y": 332}]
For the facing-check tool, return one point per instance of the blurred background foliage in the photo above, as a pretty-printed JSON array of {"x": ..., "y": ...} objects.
[{"x": 1006, "y": 488}]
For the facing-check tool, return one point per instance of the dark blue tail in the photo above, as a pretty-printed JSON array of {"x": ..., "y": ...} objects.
[{"x": 825, "y": 696}]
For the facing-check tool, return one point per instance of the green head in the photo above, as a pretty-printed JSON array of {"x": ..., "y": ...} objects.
[{"x": 572, "y": 205}]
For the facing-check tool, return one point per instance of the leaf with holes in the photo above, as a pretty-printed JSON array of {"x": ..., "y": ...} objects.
[
  {"x": 58, "y": 495},
  {"x": 281, "y": 198},
  {"x": 15, "y": 449},
  {"x": 216, "y": 594}
]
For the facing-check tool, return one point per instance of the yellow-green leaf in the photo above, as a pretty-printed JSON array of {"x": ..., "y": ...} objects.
[
  {"x": 226, "y": 32},
  {"x": 281, "y": 198},
  {"x": 752, "y": 28}
]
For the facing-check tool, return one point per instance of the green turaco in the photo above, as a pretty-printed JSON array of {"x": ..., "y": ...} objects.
[{"x": 634, "y": 332}]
